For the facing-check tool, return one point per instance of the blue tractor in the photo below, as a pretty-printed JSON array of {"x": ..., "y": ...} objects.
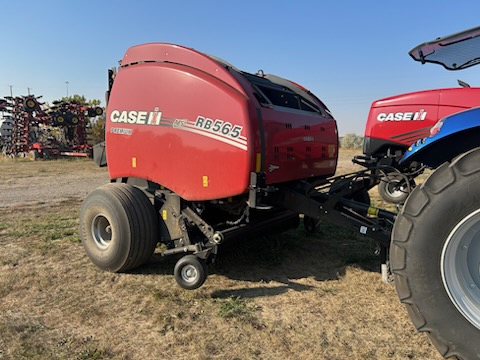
[{"x": 435, "y": 248}]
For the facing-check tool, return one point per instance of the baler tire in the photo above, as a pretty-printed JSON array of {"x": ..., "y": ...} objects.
[
  {"x": 434, "y": 256},
  {"x": 388, "y": 193},
  {"x": 118, "y": 227},
  {"x": 190, "y": 272}
]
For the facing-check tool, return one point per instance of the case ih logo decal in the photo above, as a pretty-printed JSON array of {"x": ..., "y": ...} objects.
[
  {"x": 403, "y": 116},
  {"x": 218, "y": 130},
  {"x": 136, "y": 117}
]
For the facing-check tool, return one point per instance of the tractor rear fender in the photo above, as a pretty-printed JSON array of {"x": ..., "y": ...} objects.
[{"x": 450, "y": 137}]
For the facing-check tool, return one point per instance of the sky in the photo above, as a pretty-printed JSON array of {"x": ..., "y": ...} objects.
[{"x": 348, "y": 53}]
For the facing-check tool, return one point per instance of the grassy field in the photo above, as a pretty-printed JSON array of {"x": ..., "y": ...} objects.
[{"x": 292, "y": 296}]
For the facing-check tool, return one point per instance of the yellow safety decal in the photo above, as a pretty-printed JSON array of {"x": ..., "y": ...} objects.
[
  {"x": 258, "y": 165},
  {"x": 164, "y": 214},
  {"x": 373, "y": 211},
  {"x": 205, "y": 181},
  {"x": 134, "y": 162}
]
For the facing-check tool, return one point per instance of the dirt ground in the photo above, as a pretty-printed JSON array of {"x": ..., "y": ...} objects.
[
  {"x": 52, "y": 181},
  {"x": 47, "y": 181},
  {"x": 289, "y": 296}
]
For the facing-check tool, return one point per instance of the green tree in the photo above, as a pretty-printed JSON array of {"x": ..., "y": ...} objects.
[
  {"x": 96, "y": 131},
  {"x": 82, "y": 99},
  {"x": 351, "y": 141}
]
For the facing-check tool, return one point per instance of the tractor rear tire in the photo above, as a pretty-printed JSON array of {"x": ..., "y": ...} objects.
[
  {"x": 435, "y": 257},
  {"x": 118, "y": 227}
]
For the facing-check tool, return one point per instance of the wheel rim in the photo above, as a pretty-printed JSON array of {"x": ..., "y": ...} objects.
[
  {"x": 101, "y": 231},
  {"x": 460, "y": 266},
  {"x": 395, "y": 189},
  {"x": 189, "y": 273}
]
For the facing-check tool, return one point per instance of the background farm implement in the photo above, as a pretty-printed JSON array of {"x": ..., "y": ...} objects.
[{"x": 31, "y": 128}]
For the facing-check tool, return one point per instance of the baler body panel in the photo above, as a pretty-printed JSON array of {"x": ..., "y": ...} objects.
[
  {"x": 295, "y": 143},
  {"x": 298, "y": 146},
  {"x": 403, "y": 119},
  {"x": 179, "y": 150},
  {"x": 196, "y": 126},
  {"x": 161, "y": 52}
]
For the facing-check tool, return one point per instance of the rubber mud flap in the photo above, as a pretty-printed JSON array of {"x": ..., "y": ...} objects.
[{"x": 99, "y": 154}]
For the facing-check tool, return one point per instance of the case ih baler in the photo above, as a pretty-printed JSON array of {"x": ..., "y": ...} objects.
[{"x": 200, "y": 153}]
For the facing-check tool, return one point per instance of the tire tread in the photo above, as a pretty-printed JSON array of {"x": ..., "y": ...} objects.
[
  {"x": 440, "y": 181},
  {"x": 138, "y": 213}
]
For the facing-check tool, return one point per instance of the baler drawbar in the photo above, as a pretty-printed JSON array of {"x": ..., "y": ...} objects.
[{"x": 200, "y": 153}]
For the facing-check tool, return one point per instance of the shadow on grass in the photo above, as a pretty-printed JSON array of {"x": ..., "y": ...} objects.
[
  {"x": 250, "y": 293},
  {"x": 283, "y": 258}
]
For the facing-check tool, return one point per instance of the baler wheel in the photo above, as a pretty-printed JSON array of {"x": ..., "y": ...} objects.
[
  {"x": 118, "y": 227},
  {"x": 190, "y": 272}
]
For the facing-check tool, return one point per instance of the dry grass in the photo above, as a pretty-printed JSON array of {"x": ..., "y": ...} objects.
[
  {"x": 22, "y": 168},
  {"x": 293, "y": 296}
]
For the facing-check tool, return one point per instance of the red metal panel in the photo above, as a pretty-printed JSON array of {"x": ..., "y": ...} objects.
[
  {"x": 407, "y": 117},
  {"x": 458, "y": 99},
  {"x": 162, "y": 52},
  {"x": 298, "y": 145},
  {"x": 178, "y": 149}
]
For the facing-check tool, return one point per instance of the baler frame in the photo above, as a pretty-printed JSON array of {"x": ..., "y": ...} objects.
[{"x": 184, "y": 231}]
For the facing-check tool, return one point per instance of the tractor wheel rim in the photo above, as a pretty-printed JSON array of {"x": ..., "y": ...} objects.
[
  {"x": 460, "y": 267},
  {"x": 189, "y": 273},
  {"x": 101, "y": 231}
]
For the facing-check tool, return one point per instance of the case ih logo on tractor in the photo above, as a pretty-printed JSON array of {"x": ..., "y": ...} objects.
[
  {"x": 180, "y": 183},
  {"x": 403, "y": 116}
]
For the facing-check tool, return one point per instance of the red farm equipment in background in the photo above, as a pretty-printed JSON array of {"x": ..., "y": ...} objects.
[
  {"x": 30, "y": 128},
  {"x": 396, "y": 122}
]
